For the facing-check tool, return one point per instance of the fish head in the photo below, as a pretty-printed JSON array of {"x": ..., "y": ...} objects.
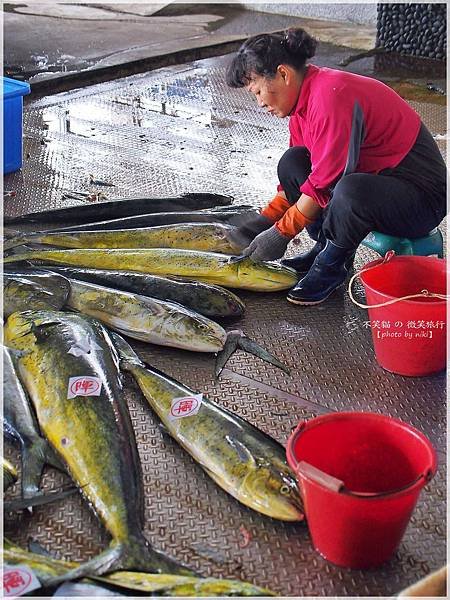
[
  {"x": 192, "y": 331},
  {"x": 265, "y": 276},
  {"x": 273, "y": 488},
  {"x": 210, "y": 336}
]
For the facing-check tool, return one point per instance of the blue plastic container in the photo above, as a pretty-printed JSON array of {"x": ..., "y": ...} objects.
[{"x": 13, "y": 92}]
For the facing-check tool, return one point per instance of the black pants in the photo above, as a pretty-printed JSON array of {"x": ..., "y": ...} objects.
[{"x": 387, "y": 202}]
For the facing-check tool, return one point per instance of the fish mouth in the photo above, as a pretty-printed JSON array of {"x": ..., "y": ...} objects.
[
  {"x": 267, "y": 500},
  {"x": 258, "y": 273}
]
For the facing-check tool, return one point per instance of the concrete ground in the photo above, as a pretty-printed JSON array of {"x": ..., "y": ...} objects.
[{"x": 60, "y": 46}]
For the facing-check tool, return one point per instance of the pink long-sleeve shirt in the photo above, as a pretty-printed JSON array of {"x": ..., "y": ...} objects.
[{"x": 341, "y": 117}]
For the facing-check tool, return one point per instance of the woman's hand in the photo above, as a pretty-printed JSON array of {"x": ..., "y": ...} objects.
[{"x": 268, "y": 245}]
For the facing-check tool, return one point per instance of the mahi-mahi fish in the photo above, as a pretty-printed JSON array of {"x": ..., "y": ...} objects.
[
  {"x": 163, "y": 323},
  {"x": 47, "y": 569},
  {"x": 71, "y": 371},
  {"x": 210, "y": 267},
  {"x": 225, "y": 214},
  {"x": 209, "y": 300},
  {"x": 122, "y": 207},
  {"x": 241, "y": 459},
  {"x": 209, "y": 237}
]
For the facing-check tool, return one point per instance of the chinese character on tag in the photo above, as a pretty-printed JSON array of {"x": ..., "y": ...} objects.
[
  {"x": 84, "y": 386},
  {"x": 18, "y": 581},
  {"x": 185, "y": 407}
]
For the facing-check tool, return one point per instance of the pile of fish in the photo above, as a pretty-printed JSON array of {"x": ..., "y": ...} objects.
[
  {"x": 63, "y": 377},
  {"x": 161, "y": 284}
]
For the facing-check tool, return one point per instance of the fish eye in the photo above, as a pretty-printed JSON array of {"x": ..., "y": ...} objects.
[{"x": 285, "y": 489}]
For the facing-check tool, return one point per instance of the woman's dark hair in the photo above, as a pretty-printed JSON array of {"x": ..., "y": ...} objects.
[{"x": 262, "y": 54}]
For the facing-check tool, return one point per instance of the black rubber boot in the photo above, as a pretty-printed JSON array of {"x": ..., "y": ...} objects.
[
  {"x": 303, "y": 262},
  {"x": 328, "y": 272}
]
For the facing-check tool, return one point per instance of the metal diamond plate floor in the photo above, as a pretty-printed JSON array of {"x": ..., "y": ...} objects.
[{"x": 176, "y": 130}]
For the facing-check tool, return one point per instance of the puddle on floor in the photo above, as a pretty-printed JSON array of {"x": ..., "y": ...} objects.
[{"x": 41, "y": 64}]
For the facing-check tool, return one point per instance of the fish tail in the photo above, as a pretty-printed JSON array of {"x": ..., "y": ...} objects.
[
  {"x": 52, "y": 459},
  {"x": 230, "y": 346},
  {"x": 33, "y": 461},
  {"x": 133, "y": 555},
  {"x": 39, "y": 500},
  {"x": 139, "y": 555},
  {"x": 18, "y": 257},
  {"x": 34, "y": 457},
  {"x": 236, "y": 339},
  {"x": 245, "y": 343},
  {"x": 18, "y": 239},
  {"x": 109, "y": 560}
]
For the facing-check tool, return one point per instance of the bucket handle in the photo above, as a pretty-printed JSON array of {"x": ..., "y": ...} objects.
[
  {"x": 333, "y": 484},
  {"x": 337, "y": 485},
  {"x": 387, "y": 258}
]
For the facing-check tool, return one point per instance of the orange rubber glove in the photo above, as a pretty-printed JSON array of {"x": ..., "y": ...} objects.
[
  {"x": 292, "y": 222},
  {"x": 276, "y": 208}
]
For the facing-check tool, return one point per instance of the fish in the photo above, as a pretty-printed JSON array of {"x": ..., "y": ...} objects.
[
  {"x": 160, "y": 322},
  {"x": 147, "y": 319},
  {"x": 20, "y": 424},
  {"x": 34, "y": 292},
  {"x": 208, "y": 267},
  {"x": 80, "y": 407},
  {"x": 47, "y": 569},
  {"x": 209, "y": 300},
  {"x": 9, "y": 474},
  {"x": 245, "y": 462},
  {"x": 122, "y": 207},
  {"x": 211, "y": 237},
  {"x": 224, "y": 214}
]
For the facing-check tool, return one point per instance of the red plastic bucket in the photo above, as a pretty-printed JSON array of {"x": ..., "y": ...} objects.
[
  {"x": 360, "y": 476},
  {"x": 409, "y": 334}
]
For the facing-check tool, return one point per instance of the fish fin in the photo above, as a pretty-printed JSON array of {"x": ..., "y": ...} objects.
[
  {"x": 242, "y": 451},
  {"x": 231, "y": 344},
  {"x": 38, "y": 500},
  {"x": 245, "y": 343},
  {"x": 126, "y": 353},
  {"x": 15, "y": 353},
  {"x": 41, "y": 330}
]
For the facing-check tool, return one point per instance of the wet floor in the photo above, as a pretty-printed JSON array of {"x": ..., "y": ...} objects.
[
  {"x": 181, "y": 129},
  {"x": 87, "y": 39}
]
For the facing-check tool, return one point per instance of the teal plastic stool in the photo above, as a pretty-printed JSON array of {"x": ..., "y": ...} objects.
[{"x": 430, "y": 245}]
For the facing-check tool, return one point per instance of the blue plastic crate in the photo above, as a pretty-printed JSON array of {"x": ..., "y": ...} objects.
[{"x": 13, "y": 92}]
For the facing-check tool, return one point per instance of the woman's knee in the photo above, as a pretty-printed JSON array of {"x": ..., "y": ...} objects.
[
  {"x": 294, "y": 164},
  {"x": 351, "y": 190}
]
